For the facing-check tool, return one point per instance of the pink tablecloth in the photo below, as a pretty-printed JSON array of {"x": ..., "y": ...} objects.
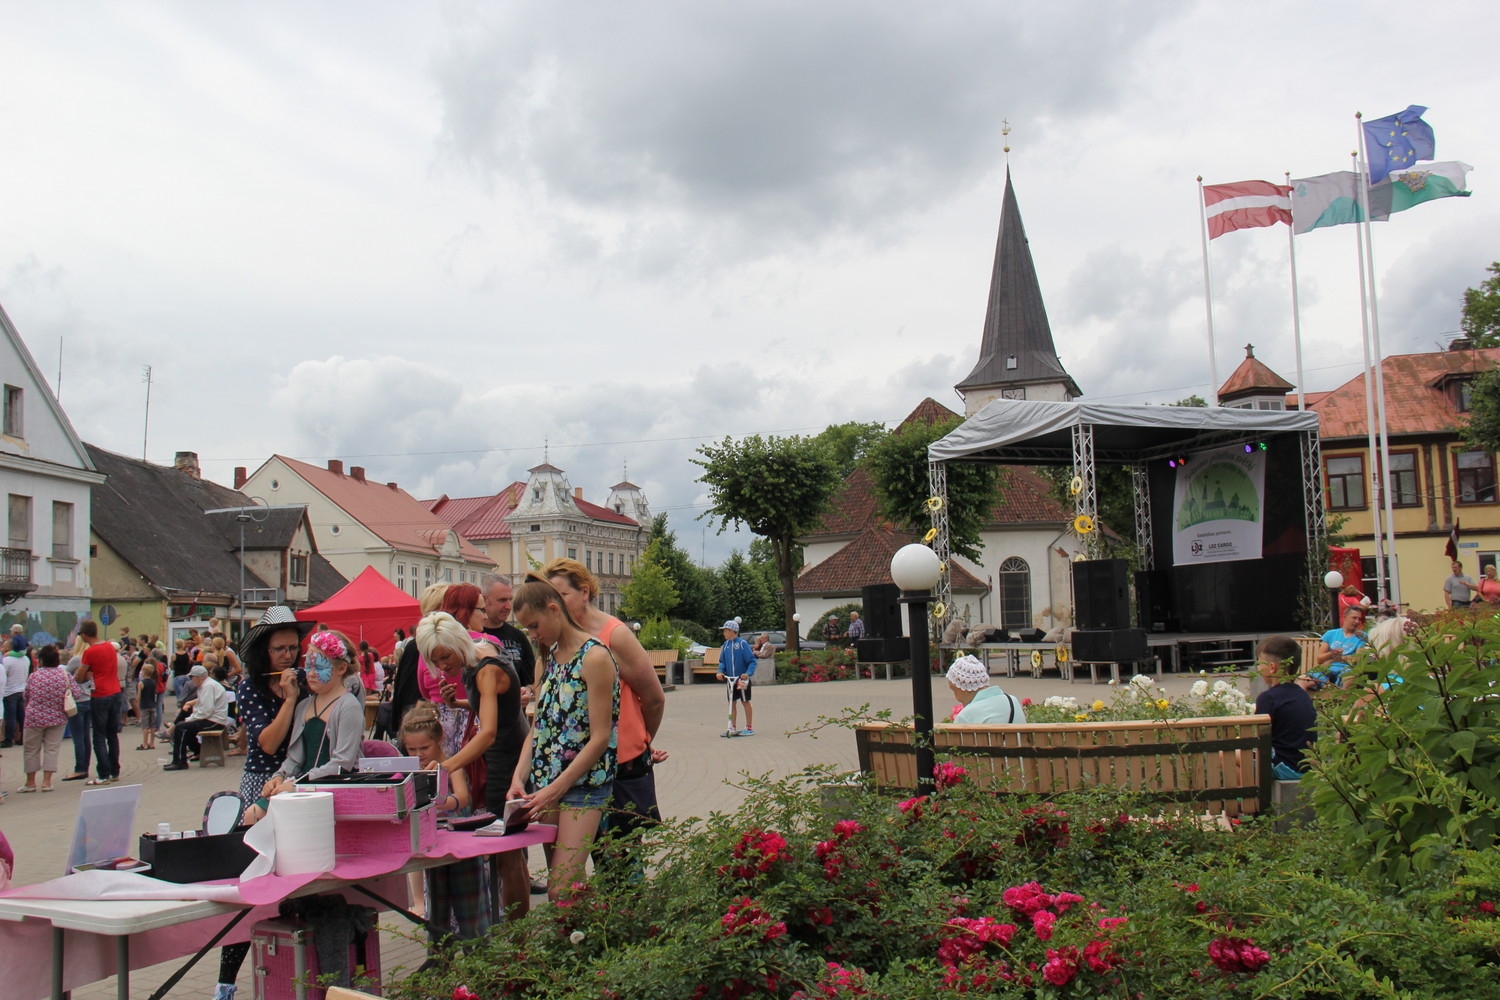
[{"x": 26, "y": 946}]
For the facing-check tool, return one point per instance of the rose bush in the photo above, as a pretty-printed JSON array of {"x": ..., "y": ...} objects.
[{"x": 962, "y": 893}]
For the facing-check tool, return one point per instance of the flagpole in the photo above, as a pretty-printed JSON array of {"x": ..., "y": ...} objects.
[
  {"x": 1291, "y": 254},
  {"x": 1208, "y": 298},
  {"x": 1362, "y": 185},
  {"x": 1385, "y": 438}
]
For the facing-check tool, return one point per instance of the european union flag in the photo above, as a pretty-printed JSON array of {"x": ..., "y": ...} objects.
[{"x": 1398, "y": 141}]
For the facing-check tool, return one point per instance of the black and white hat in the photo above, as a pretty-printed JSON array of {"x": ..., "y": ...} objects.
[{"x": 274, "y": 620}]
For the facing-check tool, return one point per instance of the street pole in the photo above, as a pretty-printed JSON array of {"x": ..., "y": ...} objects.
[{"x": 921, "y": 686}]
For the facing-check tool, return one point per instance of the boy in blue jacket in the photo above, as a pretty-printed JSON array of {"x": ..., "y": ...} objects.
[{"x": 736, "y": 667}]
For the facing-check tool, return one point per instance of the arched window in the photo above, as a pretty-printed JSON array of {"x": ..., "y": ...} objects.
[{"x": 1015, "y": 593}]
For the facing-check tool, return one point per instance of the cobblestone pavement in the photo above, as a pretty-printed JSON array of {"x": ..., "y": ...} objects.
[{"x": 699, "y": 778}]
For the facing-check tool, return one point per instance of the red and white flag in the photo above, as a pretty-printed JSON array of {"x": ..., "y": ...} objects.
[{"x": 1245, "y": 205}]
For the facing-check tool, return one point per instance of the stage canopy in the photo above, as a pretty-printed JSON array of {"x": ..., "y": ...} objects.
[
  {"x": 1033, "y": 432},
  {"x": 1083, "y": 436},
  {"x": 370, "y": 608}
]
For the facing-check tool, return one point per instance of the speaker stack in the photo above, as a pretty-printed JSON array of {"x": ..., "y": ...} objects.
[
  {"x": 1101, "y": 613},
  {"x": 884, "y": 641}
]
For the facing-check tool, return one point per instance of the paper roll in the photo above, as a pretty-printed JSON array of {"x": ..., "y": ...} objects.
[{"x": 302, "y": 823}]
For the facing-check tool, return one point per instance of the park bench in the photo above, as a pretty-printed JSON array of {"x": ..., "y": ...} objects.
[
  {"x": 705, "y": 670},
  {"x": 660, "y": 658},
  {"x": 1221, "y": 766}
]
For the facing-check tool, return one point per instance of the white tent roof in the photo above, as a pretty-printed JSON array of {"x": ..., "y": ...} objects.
[{"x": 1031, "y": 432}]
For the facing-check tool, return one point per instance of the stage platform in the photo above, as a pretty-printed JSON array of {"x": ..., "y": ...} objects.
[{"x": 1165, "y": 651}]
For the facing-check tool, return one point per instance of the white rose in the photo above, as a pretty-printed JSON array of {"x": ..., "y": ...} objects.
[{"x": 576, "y": 937}]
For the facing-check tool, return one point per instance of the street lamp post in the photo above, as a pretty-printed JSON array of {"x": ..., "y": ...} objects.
[
  {"x": 242, "y": 517},
  {"x": 915, "y": 569},
  {"x": 1334, "y": 581}
]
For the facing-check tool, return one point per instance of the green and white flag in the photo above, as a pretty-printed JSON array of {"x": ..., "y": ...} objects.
[
  {"x": 1333, "y": 199},
  {"x": 1426, "y": 182}
]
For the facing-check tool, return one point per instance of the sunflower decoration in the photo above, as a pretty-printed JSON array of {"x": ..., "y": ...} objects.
[
  {"x": 939, "y": 610},
  {"x": 1076, "y": 486},
  {"x": 931, "y": 534},
  {"x": 1061, "y": 654},
  {"x": 1083, "y": 524},
  {"x": 934, "y": 504},
  {"x": 1036, "y": 659}
]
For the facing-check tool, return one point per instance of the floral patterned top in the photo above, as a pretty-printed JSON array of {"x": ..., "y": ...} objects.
[
  {"x": 561, "y": 728},
  {"x": 44, "y": 697}
]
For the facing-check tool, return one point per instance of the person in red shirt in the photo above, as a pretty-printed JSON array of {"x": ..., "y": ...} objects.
[{"x": 101, "y": 663}]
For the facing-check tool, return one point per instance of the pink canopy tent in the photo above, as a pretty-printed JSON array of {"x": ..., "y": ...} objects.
[{"x": 370, "y": 608}]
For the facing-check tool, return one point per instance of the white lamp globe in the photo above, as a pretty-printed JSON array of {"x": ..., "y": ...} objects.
[
  {"x": 738, "y": 620},
  {"x": 1333, "y": 579},
  {"x": 796, "y": 617},
  {"x": 915, "y": 567}
]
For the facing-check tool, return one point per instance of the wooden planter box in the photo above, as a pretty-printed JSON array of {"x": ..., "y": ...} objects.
[{"x": 1220, "y": 766}]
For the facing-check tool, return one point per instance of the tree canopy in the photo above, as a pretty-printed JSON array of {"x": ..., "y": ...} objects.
[
  {"x": 847, "y": 444},
  {"x": 1481, "y": 319},
  {"x": 1483, "y": 430},
  {"x": 694, "y": 589},
  {"x": 898, "y": 465},
  {"x": 777, "y": 487},
  {"x": 650, "y": 594}
]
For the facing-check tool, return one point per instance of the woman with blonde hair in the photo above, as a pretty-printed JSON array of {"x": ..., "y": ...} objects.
[
  {"x": 569, "y": 755},
  {"x": 494, "y": 694}
]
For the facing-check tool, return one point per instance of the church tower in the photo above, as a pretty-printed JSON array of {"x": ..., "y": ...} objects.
[{"x": 1016, "y": 357}]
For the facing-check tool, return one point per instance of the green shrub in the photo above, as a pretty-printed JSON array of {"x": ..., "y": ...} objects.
[
  {"x": 658, "y": 633},
  {"x": 696, "y": 632},
  {"x": 1407, "y": 775}
]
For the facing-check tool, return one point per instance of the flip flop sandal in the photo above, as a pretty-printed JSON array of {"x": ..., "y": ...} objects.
[
  {"x": 79, "y": 776},
  {"x": 26, "y": 788},
  {"x": 97, "y": 781},
  {"x": 46, "y": 788}
]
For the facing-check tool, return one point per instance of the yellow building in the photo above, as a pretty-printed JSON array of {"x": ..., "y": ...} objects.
[{"x": 1435, "y": 480}]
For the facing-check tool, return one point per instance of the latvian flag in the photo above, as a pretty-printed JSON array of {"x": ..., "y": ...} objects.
[{"x": 1245, "y": 205}]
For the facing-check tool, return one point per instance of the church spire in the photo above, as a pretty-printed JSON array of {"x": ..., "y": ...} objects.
[{"x": 1016, "y": 356}]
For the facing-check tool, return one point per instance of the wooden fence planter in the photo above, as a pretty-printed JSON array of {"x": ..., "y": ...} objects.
[{"x": 1220, "y": 766}]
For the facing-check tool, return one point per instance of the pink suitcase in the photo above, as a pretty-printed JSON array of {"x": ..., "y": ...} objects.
[
  {"x": 286, "y": 962},
  {"x": 375, "y": 796},
  {"x": 414, "y": 833}
]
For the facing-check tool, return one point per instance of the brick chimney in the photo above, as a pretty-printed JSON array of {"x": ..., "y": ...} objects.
[
  {"x": 187, "y": 461},
  {"x": 240, "y": 477},
  {"x": 336, "y": 466},
  {"x": 578, "y": 492},
  {"x": 391, "y": 486},
  {"x": 358, "y": 472}
]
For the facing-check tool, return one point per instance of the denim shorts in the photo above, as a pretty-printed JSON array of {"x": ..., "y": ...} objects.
[{"x": 582, "y": 797}]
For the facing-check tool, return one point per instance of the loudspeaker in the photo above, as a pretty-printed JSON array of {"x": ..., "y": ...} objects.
[
  {"x": 882, "y": 612},
  {"x": 1116, "y": 645},
  {"x": 1101, "y": 598},
  {"x": 1154, "y": 607},
  {"x": 887, "y": 650}
]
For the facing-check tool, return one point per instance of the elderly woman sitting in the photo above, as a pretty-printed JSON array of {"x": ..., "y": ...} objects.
[{"x": 983, "y": 703}]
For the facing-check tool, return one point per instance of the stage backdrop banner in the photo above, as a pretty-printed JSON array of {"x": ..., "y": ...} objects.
[{"x": 1217, "y": 507}]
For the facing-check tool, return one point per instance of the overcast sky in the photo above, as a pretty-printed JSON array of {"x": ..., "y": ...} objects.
[{"x": 428, "y": 238}]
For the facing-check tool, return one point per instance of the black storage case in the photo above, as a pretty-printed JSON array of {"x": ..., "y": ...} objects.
[{"x": 197, "y": 859}]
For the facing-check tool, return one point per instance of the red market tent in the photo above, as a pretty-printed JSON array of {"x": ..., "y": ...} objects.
[{"x": 370, "y": 608}]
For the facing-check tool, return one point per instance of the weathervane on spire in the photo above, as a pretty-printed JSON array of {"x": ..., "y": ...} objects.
[
  {"x": 546, "y": 445},
  {"x": 1004, "y": 131}
]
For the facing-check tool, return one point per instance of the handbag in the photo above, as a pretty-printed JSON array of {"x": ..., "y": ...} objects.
[{"x": 70, "y": 707}]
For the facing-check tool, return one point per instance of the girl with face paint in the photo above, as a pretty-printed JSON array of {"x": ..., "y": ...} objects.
[{"x": 328, "y": 726}]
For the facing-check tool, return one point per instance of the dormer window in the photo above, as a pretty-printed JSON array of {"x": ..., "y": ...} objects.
[
  {"x": 1010, "y": 362},
  {"x": 1463, "y": 396},
  {"x": 536, "y": 494}
]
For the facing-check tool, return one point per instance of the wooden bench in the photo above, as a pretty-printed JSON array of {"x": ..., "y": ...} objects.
[
  {"x": 706, "y": 669},
  {"x": 659, "y": 660},
  {"x": 1220, "y": 766},
  {"x": 211, "y": 748}
]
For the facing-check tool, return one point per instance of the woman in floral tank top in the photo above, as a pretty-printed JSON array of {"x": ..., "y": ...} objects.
[{"x": 569, "y": 754}]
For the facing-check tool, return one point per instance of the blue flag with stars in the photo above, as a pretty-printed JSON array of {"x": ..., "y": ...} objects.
[{"x": 1398, "y": 141}]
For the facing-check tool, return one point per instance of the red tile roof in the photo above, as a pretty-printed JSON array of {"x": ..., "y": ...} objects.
[
  {"x": 389, "y": 511},
  {"x": 1416, "y": 397},
  {"x": 1251, "y": 378},
  {"x": 479, "y": 518},
  {"x": 867, "y": 561},
  {"x": 929, "y": 411},
  {"x": 852, "y": 507},
  {"x": 599, "y": 513}
]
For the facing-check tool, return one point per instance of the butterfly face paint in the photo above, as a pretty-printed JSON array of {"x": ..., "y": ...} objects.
[{"x": 322, "y": 649}]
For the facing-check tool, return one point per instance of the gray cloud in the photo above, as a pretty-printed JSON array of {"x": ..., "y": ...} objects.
[{"x": 768, "y": 125}]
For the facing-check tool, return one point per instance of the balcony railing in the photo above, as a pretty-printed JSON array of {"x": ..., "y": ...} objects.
[{"x": 15, "y": 574}]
